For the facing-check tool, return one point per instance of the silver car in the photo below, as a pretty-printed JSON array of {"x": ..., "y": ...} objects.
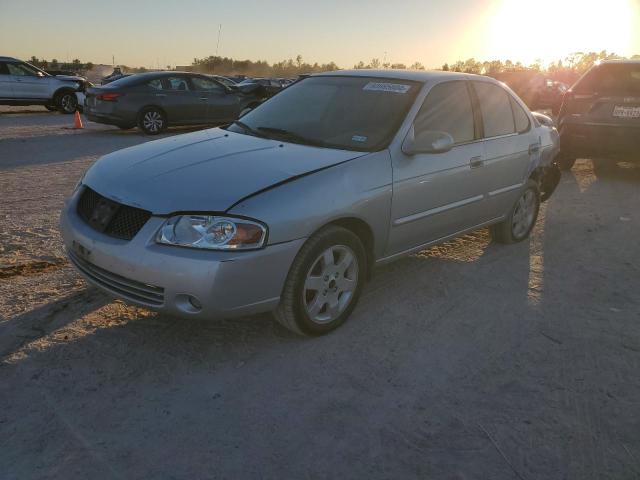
[
  {"x": 290, "y": 208},
  {"x": 23, "y": 84}
]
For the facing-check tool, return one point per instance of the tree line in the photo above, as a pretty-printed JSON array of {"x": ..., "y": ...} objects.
[{"x": 566, "y": 70}]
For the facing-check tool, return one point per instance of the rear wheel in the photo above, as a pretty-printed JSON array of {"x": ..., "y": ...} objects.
[
  {"x": 152, "y": 121},
  {"x": 67, "y": 102},
  {"x": 324, "y": 282},
  {"x": 521, "y": 219}
]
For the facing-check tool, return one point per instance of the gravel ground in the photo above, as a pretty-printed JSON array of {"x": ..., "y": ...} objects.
[{"x": 470, "y": 360}]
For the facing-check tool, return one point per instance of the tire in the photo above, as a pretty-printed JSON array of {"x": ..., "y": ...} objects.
[
  {"x": 152, "y": 121},
  {"x": 67, "y": 102},
  {"x": 321, "y": 275},
  {"x": 566, "y": 162},
  {"x": 515, "y": 229}
]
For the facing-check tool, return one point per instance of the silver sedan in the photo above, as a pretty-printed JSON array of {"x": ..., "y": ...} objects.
[{"x": 290, "y": 208}]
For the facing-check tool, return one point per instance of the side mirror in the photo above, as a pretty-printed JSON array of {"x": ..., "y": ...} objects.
[{"x": 427, "y": 142}]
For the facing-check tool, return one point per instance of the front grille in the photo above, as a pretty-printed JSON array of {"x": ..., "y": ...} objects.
[
  {"x": 133, "y": 290},
  {"x": 109, "y": 217}
]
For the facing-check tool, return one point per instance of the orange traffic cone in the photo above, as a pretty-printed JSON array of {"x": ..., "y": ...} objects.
[{"x": 77, "y": 121}]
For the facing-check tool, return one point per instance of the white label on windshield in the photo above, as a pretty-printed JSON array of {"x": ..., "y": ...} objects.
[
  {"x": 386, "y": 87},
  {"x": 359, "y": 138}
]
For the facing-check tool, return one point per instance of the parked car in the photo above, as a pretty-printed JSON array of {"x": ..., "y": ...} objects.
[
  {"x": 600, "y": 115},
  {"x": 153, "y": 101},
  {"x": 117, "y": 74},
  {"x": 227, "y": 82},
  {"x": 290, "y": 208},
  {"x": 24, "y": 84},
  {"x": 535, "y": 89},
  {"x": 267, "y": 87}
]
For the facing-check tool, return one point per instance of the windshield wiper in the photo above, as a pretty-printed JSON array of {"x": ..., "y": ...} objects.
[
  {"x": 289, "y": 135},
  {"x": 247, "y": 128}
]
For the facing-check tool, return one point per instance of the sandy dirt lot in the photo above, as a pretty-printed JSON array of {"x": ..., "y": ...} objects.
[{"x": 471, "y": 360}]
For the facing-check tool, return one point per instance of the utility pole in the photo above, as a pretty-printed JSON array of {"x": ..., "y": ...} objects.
[
  {"x": 213, "y": 69},
  {"x": 113, "y": 60}
]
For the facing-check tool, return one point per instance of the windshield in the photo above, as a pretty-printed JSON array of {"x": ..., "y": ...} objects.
[{"x": 351, "y": 113}]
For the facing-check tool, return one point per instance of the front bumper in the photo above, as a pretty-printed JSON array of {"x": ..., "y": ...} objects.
[{"x": 163, "y": 278}]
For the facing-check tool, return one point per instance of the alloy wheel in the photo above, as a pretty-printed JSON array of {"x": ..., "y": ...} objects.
[
  {"x": 330, "y": 284},
  {"x": 68, "y": 102},
  {"x": 153, "y": 121},
  {"x": 524, "y": 214}
]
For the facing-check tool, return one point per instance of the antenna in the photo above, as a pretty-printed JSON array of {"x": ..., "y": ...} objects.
[{"x": 217, "y": 46}]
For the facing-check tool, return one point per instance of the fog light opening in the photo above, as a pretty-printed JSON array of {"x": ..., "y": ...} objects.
[
  {"x": 195, "y": 303},
  {"x": 188, "y": 303}
]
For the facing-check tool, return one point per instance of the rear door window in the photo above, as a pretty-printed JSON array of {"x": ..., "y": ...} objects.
[
  {"x": 156, "y": 84},
  {"x": 495, "y": 107},
  {"x": 176, "y": 83},
  {"x": 448, "y": 109}
]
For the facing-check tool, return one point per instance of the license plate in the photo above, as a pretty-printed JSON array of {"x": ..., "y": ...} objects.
[{"x": 623, "y": 111}]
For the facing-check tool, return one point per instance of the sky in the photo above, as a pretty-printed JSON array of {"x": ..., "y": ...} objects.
[{"x": 154, "y": 33}]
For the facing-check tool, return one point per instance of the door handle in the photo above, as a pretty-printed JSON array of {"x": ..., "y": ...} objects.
[
  {"x": 476, "y": 162},
  {"x": 161, "y": 94},
  {"x": 534, "y": 148},
  {"x": 204, "y": 98}
]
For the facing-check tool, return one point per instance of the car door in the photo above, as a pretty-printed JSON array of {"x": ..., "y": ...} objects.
[
  {"x": 179, "y": 101},
  {"x": 218, "y": 104},
  {"x": 27, "y": 82},
  {"x": 436, "y": 195},
  {"x": 508, "y": 149},
  {"x": 6, "y": 81}
]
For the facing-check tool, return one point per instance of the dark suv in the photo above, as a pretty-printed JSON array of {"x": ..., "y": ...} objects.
[{"x": 600, "y": 114}]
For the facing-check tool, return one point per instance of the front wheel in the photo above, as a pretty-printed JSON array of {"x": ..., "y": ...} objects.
[
  {"x": 324, "y": 282},
  {"x": 522, "y": 217},
  {"x": 67, "y": 102},
  {"x": 152, "y": 121}
]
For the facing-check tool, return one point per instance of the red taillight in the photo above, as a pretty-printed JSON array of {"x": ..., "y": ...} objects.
[{"x": 109, "y": 97}]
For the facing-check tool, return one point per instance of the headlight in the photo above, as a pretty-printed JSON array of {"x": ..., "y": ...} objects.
[{"x": 211, "y": 232}]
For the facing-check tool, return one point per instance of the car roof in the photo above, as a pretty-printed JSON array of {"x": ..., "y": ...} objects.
[
  {"x": 625, "y": 62},
  {"x": 9, "y": 59},
  {"x": 422, "y": 76}
]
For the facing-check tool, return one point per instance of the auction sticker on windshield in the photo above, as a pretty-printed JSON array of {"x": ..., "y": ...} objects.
[{"x": 386, "y": 87}]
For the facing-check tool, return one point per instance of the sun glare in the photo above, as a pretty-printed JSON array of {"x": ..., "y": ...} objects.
[{"x": 549, "y": 30}]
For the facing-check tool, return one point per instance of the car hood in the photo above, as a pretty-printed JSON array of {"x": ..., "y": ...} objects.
[
  {"x": 209, "y": 170},
  {"x": 69, "y": 78}
]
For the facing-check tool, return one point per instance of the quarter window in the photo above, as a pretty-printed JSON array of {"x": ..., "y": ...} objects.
[
  {"x": 3, "y": 69},
  {"x": 497, "y": 116},
  {"x": 448, "y": 109},
  {"x": 520, "y": 116}
]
